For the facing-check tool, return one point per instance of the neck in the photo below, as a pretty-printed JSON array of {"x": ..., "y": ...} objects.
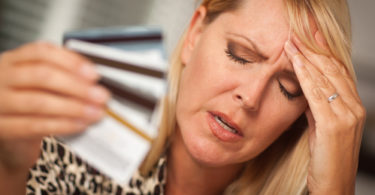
[{"x": 187, "y": 176}]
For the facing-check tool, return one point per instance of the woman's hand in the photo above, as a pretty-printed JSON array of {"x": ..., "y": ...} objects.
[
  {"x": 335, "y": 127},
  {"x": 44, "y": 90}
]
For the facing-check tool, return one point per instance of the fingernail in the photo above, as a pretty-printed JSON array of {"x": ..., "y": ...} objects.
[
  {"x": 291, "y": 48},
  {"x": 319, "y": 38},
  {"x": 88, "y": 71},
  {"x": 98, "y": 94},
  {"x": 93, "y": 112},
  {"x": 80, "y": 125}
]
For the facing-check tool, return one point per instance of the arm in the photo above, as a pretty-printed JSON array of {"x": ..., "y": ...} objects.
[{"x": 335, "y": 124}]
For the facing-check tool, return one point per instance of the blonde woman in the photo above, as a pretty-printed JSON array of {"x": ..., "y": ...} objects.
[{"x": 262, "y": 100}]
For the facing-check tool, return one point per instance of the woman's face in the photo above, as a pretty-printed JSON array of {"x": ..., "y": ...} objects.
[{"x": 238, "y": 92}]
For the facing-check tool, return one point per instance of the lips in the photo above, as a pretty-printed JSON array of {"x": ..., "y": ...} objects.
[{"x": 223, "y": 127}]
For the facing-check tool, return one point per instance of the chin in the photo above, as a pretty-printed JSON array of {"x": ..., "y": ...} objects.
[
  {"x": 203, "y": 147},
  {"x": 208, "y": 153}
]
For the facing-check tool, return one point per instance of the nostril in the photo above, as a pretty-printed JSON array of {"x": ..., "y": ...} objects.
[{"x": 239, "y": 97}]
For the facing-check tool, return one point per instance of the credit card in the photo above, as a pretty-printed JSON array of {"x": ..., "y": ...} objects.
[{"x": 117, "y": 145}]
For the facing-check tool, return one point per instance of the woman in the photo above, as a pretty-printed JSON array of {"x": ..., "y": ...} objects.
[{"x": 262, "y": 100}]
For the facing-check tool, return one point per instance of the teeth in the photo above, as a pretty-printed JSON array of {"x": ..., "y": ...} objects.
[{"x": 224, "y": 125}]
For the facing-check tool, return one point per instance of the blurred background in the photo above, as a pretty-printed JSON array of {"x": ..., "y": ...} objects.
[{"x": 22, "y": 21}]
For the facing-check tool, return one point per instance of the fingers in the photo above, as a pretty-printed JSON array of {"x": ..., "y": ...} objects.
[
  {"x": 335, "y": 127},
  {"x": 48, "y": 105},
  {"x": 315, "y": 86},
  {"x": 55, "y": 56},
  {"x": 44, "y": 77},
  {"x": 35, "y": 127},
  {"x": 336, "y": 72},
  {"x": 46, "y": 89},
  {"x": 320, "y": 85}
]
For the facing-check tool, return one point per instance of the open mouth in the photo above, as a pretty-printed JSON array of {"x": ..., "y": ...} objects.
[
  {"x": 225, "y": 125},
  {"x": 223, "y": 128}
]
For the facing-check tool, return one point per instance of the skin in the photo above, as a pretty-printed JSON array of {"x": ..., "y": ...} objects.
[
  {"x": 38, "y": 82},
  {"x": 31, "y": 108},
  {"x": 250, "y": 95},
  {"x": 336, "y": 128}
]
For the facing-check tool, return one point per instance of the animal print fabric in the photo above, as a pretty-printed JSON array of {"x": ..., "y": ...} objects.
[{"x": 58, "y": 171}]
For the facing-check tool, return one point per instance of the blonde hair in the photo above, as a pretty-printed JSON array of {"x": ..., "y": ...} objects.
[{"x": 282, "y": 168}]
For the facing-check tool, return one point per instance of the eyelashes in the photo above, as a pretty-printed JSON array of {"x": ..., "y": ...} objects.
[
  {"x": 235, "y": 58},
  {"x": 231, "y": 51},
  {"x": 231, "y": 54},
  {"x": 286, "y": 93}
]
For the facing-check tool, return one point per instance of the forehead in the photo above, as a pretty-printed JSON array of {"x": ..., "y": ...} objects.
[{"x": 263, "y": 21}]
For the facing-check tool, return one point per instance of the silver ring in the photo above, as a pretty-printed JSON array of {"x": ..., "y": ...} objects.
[{"x": 333, "y": 97}]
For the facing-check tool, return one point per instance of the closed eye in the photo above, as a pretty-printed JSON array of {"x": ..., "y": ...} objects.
[
  {"x": 235, "y": 58},
  {"x": 286, "y": 93},
  {"x": 241, "y": 54}
]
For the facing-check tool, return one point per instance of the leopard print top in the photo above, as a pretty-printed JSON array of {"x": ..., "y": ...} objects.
[{"x": 58, "y": 171}]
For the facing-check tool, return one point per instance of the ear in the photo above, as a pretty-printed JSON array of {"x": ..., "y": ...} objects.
[{"x": 193, "y": 34}]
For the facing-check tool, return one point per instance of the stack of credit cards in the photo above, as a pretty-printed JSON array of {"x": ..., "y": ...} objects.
[{"x": 132, "y": 65}]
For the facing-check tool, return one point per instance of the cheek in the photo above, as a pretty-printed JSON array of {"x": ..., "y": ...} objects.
[
  {"x": 275, "y": 117},
  {"x": 203, "y": 79},
  {"x": 284, "y": 115},
  {"x": 286, "y": 112},
  {"x": 281, "y": 117}
]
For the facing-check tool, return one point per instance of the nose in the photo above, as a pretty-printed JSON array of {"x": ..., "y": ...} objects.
[{"x": 249, "y": 95}]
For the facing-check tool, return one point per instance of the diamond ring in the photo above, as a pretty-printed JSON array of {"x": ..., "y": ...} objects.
[{"x": 332, "y": 97}]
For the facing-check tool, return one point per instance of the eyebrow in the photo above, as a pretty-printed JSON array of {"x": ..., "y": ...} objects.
[
  {"x": 262, "y": 55},
  {"x": 252, "y": 43}
]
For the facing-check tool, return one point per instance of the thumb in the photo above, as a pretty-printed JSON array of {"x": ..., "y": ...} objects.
[
  {"x": 311, "y": 128},
  {"x": 310, "y": 119}
]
